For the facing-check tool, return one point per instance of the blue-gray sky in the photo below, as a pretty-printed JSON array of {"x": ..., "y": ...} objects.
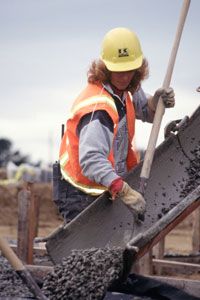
[{"x": 46, "y": 47}]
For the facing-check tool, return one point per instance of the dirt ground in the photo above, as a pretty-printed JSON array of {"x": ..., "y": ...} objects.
[
  {"x": 49, "y": 217},
  {"x": 178, "y": 241}
]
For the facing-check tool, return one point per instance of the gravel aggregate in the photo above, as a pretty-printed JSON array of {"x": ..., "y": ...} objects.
[
  {"x": 193, "y": 172},
  {"x": 85, "y": 274},
  {"x": 10, "y": 283},
  {"x": 12, "y": 287}
]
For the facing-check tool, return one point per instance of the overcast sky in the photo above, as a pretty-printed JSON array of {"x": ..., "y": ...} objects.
[{"x": 46, "y": 47}]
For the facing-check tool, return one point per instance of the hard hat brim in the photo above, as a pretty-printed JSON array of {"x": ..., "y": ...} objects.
[{"x": 124, "y": 66}]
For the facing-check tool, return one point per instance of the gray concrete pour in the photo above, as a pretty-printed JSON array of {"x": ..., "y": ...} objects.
[{"x": 12, "y": 288}]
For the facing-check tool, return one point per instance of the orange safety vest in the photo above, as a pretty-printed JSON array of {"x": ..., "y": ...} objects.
[{"x": 93, "y": 98}]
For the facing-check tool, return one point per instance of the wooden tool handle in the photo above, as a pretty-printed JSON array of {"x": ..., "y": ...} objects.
[
  {"x": 21, "y": 270},
  {"x": 145, "y": 172},
  {"x": 10, "y": 255}
]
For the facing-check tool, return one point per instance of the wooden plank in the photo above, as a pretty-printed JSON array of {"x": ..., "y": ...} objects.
[
  {"x": 190, "y": 258},
  {"x": 22, "y": 232},
  {"x": 33, "y": 215},
  {"x": 196, "y": 231},
  {"x": 159, "y": 250},
  {"x": 145, "y": 266},
  {"x": 36, "y": 250},
  {"x": 27, "y": 222},
  {"x": 176, "y": 264}
]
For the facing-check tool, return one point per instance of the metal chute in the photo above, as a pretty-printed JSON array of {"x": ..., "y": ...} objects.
[{"x": 170, "y": 185}]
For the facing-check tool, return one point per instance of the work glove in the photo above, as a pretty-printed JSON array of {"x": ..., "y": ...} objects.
[
  {"x": 131, "y": 198},
  {"x": 167, "y": 95}
]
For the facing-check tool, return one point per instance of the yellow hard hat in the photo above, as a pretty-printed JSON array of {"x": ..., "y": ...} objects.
[{"x": 121, "y": 50}]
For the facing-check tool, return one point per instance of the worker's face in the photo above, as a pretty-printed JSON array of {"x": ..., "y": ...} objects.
[{"x": 121, "y": 80}]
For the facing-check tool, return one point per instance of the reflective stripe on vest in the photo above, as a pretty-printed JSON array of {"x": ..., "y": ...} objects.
[
  {"x": 92, "y": 101},
  {"x": 84, "y": 188},
  {"x": 89, "y": 190}
]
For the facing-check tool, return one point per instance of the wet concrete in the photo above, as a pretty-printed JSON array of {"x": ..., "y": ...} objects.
[
  {"x": 12, "y": 287},
  {"x": 193, "y": 172},
  {"x": 11, "y": 284},
  {"x": 174, "y": 174},
  {"x": 85, "y": 274}
]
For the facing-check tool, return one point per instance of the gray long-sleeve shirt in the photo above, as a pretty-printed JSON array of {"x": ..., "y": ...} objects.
[{"x": 96, "y": 139}]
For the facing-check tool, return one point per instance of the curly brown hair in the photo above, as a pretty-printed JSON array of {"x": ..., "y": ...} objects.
[{"x": 98, "y": 73}]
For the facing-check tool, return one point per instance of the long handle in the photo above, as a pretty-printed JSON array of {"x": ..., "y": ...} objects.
[
  {"x": 145, "y": 172},
  {"x": 20, "y": 269},
  {"x": 10, "y": 255}
]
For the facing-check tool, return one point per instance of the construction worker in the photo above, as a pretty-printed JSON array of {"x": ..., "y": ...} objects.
[{"x": 96, "y": 149}]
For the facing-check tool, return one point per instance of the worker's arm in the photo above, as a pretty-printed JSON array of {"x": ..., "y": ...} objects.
[
  {"x": 140, "y": 101},
  {"x": 95, "y": 141}
]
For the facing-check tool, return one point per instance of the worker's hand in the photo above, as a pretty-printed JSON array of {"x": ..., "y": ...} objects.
[
  {"x": 167, "y": 95},
  {"x": 134, "y": 200}
]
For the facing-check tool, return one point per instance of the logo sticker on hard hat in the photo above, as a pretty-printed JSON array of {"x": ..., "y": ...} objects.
[{"x": 123, "y": 52}]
